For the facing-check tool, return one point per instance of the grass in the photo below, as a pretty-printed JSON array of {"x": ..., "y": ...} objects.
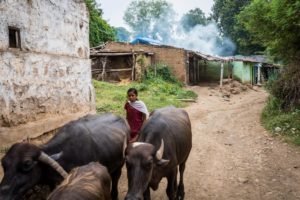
[
  {"x": 155, "y": 92},
  {"x": 286, "y": 123}
]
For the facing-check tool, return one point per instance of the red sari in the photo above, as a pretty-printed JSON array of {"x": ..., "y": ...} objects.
[{"x": 134, "y": 118}]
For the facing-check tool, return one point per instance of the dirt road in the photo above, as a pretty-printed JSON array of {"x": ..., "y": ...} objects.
[{"x": 233, "y": 157}]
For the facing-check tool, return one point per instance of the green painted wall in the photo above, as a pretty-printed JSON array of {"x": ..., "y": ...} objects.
[{"x": 243, "y": 71}]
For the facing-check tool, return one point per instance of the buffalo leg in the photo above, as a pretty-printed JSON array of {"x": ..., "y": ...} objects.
[
  {"x": 147, "y": 194},
  {"x": 180, "y": 191},
  {"x": 172, "y": 184},
  {"x": 115, "y": 176}
]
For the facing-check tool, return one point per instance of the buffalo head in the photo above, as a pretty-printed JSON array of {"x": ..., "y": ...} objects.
[
  {"x": 22, "y": 170},
  {"x": 142, "y": 163}
]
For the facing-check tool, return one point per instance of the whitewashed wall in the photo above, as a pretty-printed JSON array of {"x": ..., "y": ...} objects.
[{"x": 51, "y": 74}]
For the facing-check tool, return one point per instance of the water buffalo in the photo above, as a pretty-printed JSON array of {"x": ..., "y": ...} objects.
[
  {"x": 99, "y": 138},
  {"x": 165, "y": 142},
  {"x": 88, "y": 182}
]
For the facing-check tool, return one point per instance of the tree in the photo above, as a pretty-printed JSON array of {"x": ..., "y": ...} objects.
[
  {"x": 150, "y": 18},
  {"x": 100, "y": 30},
  {"x": 122, "y": 34},
  {"x": 193, "y": 18},
  {"x": 224, "y": 13},
  {"x": 275, "y": 24}
]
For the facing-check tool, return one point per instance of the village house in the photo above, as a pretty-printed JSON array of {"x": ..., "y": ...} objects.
[
  {"x": 188, "y": 66},
  {"x": 192, "y": 67},
  {"x": 45, "y": 70},
  {"x": 253, "y": 70}
]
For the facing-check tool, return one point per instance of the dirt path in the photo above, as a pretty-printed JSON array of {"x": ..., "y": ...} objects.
[{"x": 233, "y": 157}]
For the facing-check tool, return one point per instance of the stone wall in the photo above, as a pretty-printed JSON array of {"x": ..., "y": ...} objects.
[
  {"x": 175, "y": 58},
  {"x": 49, "y": 77}
]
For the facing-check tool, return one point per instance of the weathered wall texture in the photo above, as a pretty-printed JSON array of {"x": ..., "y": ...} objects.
[
  {"x": 50, "y": 76},
  {"x": 242, "y": 71},
  {"x": 175, "y": 58}
]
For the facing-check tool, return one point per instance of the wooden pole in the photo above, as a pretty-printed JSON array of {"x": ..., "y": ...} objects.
[
  {"x": 133, "y": 66},
  {"x": 259, "y": 74},
  {"x": 221, "y": 75},
  {"x": 104, "y": 61}
]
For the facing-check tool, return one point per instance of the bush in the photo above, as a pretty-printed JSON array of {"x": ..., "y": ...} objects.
[
  {"x": 161, "y": 71},
  {"x": 287, "y": 87},
  {"x": 286, "y": 123}
]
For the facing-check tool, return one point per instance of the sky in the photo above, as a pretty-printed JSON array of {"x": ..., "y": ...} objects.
[{"x": 113, "y": 10}]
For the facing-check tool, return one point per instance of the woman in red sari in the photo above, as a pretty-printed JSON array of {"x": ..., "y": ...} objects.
[{"x": 136, "y": 113}]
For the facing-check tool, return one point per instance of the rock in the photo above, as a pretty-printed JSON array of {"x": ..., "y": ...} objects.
[
  {"x": 243, "y": 180},
  {"x": 278, "y": 129},
  {"x": 226, "y": 99}
]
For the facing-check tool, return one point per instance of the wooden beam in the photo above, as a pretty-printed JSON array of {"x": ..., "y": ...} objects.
[
  {"x": 221, "y": 74},
  {"x": 113, "y": 70},
  {"x": 133, "y": 66}
]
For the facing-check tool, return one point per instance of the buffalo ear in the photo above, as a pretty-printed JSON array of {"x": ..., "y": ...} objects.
[{"x": 162, "y": 162}]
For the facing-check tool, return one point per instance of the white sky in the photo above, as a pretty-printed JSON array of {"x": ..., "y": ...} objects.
[{"x": 113, "y": 10}]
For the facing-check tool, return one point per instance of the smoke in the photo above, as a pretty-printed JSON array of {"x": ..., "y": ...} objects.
[
  {"x": 163, "y": 27},
  {"x": 205, "y": 39},
  {"x": 202, "y": 38}
]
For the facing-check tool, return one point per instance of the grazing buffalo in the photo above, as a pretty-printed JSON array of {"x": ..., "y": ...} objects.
[
  {"x": 165, "y": 142},
  {"x": 88, "y": 182},
  {"x": 101, "y": 138}
]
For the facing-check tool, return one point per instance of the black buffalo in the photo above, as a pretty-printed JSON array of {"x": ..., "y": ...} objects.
[
  {"x": 99, "y": 138},
  {"x": 165, "y": 142},
  {"x": 88, "y": 182}
]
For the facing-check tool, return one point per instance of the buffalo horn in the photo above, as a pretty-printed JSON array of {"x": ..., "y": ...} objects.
[
  {"x": 124, "y": 146},
  {"x": 160, "y": 151},
  {"x": 48, "y": 160}
]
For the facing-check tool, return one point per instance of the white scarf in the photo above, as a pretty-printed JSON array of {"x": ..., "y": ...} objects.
[{"x": 140, "y": 106}]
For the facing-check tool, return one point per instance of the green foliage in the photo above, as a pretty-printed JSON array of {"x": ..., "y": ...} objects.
[
  {"x": 276, "y": 25},
  {"x": 153, "y": 18},
  {"x": 225, "y": 13},
  {"x": 286, "y": 123},
  {"x": 161, "y": 71},
  {"x": 193, "y": 18},
  {"x": 100, "y": 30},
  {"x": 122, "y": 34},
  {"x": 155, "y": 91},
  {"x": 287, "y": 87}
]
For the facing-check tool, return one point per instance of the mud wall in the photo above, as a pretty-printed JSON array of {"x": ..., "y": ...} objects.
[
  {"x": 175, "y": 58},
  {"x": 49, "y": 75}
]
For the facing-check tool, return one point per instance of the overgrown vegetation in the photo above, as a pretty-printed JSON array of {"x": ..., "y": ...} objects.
[
  {"x": 156, "y": 90},
  {"x": 279, "y": 121},
  {"x": 100, "y": 30},
  {"x": 275, "y": 25},
  {"x": 282, "y": 113}
]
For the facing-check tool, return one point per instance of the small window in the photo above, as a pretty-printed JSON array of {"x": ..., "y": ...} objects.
[{"x": 14, "y": 37}]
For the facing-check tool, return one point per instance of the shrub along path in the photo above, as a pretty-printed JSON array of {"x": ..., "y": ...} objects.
[{"x": 233, "y": 157}]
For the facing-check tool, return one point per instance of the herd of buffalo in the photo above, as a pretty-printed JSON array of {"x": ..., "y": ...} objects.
[{"x": 83, "y": 161}]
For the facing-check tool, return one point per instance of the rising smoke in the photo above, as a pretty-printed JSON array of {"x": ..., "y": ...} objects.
[{"x": 202, "y": 38}]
